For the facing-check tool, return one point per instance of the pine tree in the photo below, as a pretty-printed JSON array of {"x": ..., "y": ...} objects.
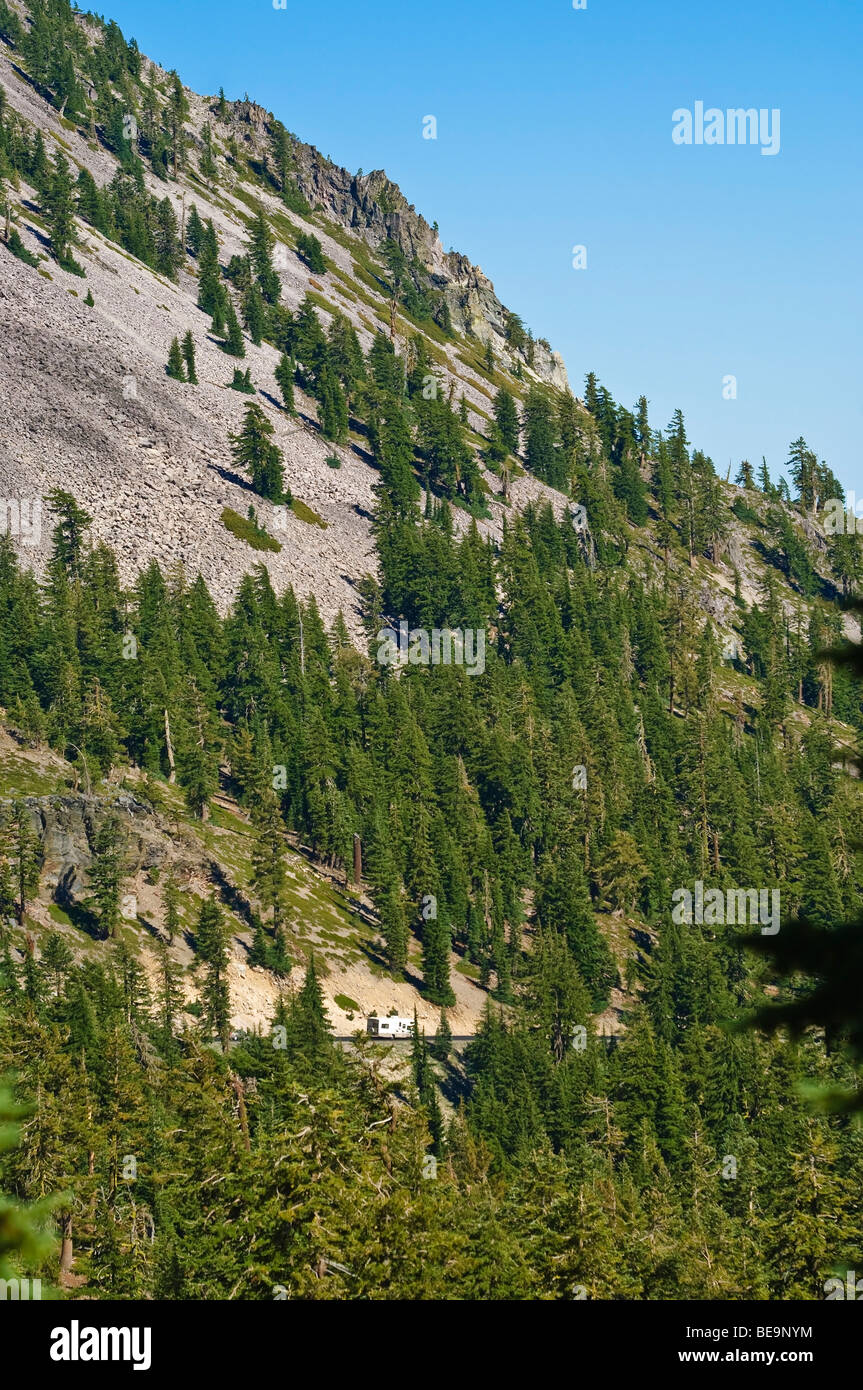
[
  {"x": 212, "y": 942},
  {"x": 745, "y": 475},
  {"x": 217, "y": 327},
  {"x": 442, "y": 1045},
  {"x": 194, "y": 230},
  {"x": 177, "y": 113},
  {"x": 207, "y": 162},
  {"x": 242, "y": 381},
  {"x": 436, "y": 961},
  {"x": 260, "y": 255},
  {"x": 333, "y": 412},
  {"x": 69, "y": 534},
  {"x": 234, "y": 343},
  {"x": 25, "y": 851},
  {"x": 254, "y": 314},
  {"x": 176, "y": 366},
  {"x": 169, "y": 252},
  {"x": 540, "y": 451},
  {"x": 60, "y": 211},
  {"x": 189, "y": 357},
  {"x": 268, "y": 867},
  {"x": 309, "y": 1029},
  {"x": 209, "y": 278},
  {"x": 284, "y": 375},
  {"x": 106, "y": 875},
  {"x": 253, "y": 450},
  {"x": 394, "y": 928},
  {"x": 56, "y": 958}
]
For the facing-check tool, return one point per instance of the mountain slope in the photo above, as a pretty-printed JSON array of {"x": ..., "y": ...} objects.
[{"x": 85, "y": 404}]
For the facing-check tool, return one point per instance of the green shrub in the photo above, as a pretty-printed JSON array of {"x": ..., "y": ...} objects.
[{"x": 243, "y": 381}]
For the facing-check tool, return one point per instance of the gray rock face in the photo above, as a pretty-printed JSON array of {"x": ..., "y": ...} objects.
[{"x": 67, "y": 828}]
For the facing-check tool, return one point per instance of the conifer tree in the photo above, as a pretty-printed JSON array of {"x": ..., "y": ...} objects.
[
  {"x": 25, "y": 852},
  {"x": 207, "y": 163},
  {"x": 268, "y": 867},
  {"x": 260, "y": 255},
  {"x": 194, "y": 230},
  {"x": 233, "y": 343},
  {"x": 309, "y": 1029},
  {"x": 540, "y": 452},
  {"x": 254, "y": 314},
  {"x": 212, "y": 941},
  {"x": 745, "y": 475},
  {"x": 436, "y": 944},
  {"x": 253, "y": 450},
  {"x": 189, "y": 357},
  {"x": 106, "y": 875},
  {"x": 242, "y": 381},
  {"x": 60, "y": 211},
  {"x": 69, "y": 534},
  {"x": 442, "y": 1044},
  {"x": 394, "y": 928},
  {"x": 284, "y": 375},
  {"x": 176, "y": 367},
  {"x": 209, "y": 279},
  {"x": 170, "y": 1000},
  {"x": 333, "y": 406},
  {"x": 56, "y": 958}
]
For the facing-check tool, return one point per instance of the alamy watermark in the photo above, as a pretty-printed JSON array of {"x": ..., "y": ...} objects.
[
  {"x": 21, "y": 517},
  {"x": 843, "y": 518},
  {"x": 736, "y": 126},
  {"x": 848, "y": 1288},
  {"x": 20, "y": 1290},
  {"x": 735, "y": 907},
  {"x": 440, "y": 647}
]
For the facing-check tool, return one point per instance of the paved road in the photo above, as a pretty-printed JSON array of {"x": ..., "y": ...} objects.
[{"x": 457, "y": 1037}]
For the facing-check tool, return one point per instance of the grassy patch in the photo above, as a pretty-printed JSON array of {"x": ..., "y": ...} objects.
[
  {"x": 353, "y": 288},
  {"x": 466, "y": 967},
  {"x": 247, "y": 529},
  {"x": 367, "y": 323},
  {"x": 368, "y": 278},
  {"x": 305, "y": 513},
  {"x": 321, "y": 303}
]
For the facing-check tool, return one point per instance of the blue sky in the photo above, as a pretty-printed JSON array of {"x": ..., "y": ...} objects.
[{"x": 554, "y": 130}]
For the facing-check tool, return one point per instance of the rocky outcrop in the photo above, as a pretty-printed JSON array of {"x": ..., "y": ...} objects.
[
  {"x": 375, "y": 208},
  {"x": 67, "y": 827}
]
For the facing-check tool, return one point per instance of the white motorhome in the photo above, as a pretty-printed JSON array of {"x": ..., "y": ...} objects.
[{"x": 391, "y": 1027}]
